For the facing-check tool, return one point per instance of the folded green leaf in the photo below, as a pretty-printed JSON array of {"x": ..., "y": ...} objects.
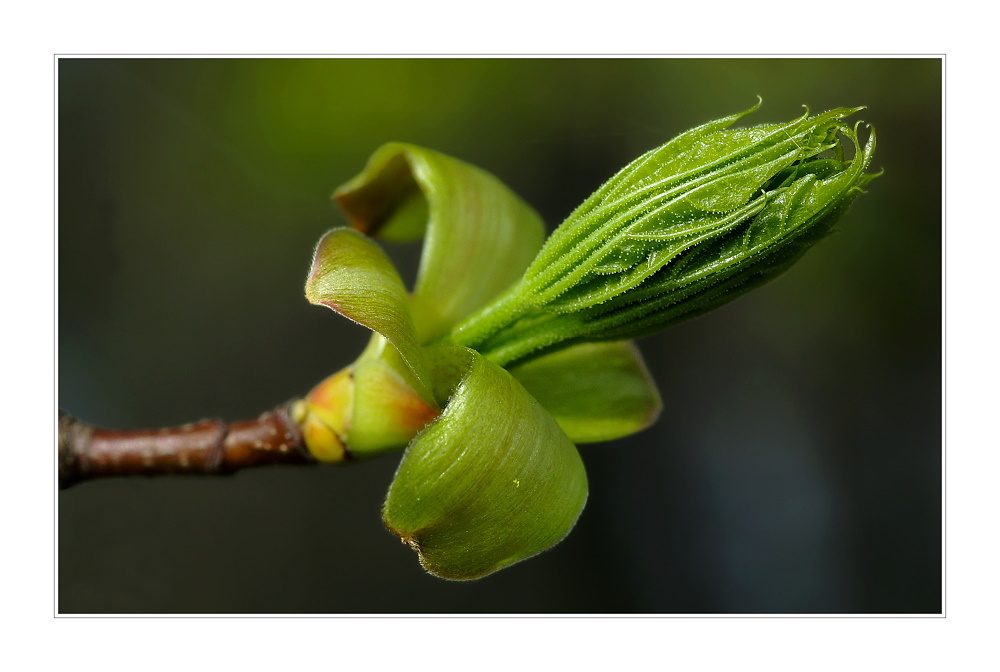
[
  {"x": 492, "y": 481},
  {"x": 480, "y": 236},
  {"x": 595, "y": 391}
]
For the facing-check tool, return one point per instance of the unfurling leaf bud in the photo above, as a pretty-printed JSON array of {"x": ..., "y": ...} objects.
[
  {"x": 488, "y": 382},
  {"x": 679, "y": 231}
]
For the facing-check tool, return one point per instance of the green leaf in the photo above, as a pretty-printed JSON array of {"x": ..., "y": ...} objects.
[
  {"x": 492, "y": 481},
  {"x": 354, "y": 277},
  {"x": 595, "y": 391},
  {"x": 480, "y": 236}
]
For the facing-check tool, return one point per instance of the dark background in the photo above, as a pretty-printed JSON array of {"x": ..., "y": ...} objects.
[{"x": 796, "y": 467}]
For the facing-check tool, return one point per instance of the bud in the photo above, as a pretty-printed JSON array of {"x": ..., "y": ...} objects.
[
  {"x": 364, "y": 410},
  {"x": 679, "y": 231},
  {"x": 489, "y": 384},
  {"x": 323, "y": 417}
]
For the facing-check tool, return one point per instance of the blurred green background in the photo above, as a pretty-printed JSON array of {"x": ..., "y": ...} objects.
[{"x": 796, "y": 467}]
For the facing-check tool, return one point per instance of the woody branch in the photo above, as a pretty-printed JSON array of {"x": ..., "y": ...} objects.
[{"x": 211, "y": 447}]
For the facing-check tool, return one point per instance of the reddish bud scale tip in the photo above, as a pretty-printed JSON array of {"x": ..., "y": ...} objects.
[
  {"x": 364, "y": 410},
  {"x": 324, "y": 417}
]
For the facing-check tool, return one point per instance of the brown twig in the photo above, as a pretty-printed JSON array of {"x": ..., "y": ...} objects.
[{"x": 205, "y": 447}]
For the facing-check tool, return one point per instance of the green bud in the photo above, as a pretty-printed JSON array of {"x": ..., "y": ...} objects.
[
  {"x": 489, "y": 381},
  {"x": 679, "y": 231}
]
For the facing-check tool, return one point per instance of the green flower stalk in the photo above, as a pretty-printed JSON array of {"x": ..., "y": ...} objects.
[{"x": 509, "y": 351}]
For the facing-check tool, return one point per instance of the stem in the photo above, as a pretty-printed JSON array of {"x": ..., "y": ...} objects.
[
  {"x": 211, "y": 447},
  {"x": 486, "y": 322}
]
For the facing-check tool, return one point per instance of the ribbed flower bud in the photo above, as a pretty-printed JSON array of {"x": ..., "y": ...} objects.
[{"x": 679, "y": 231}]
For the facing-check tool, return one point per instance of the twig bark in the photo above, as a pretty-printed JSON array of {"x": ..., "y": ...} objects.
[{"x": 211, "y": 447}]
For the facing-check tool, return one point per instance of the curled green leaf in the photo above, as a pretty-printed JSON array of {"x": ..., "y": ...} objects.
[
  {"x": 492, "y": 481},
  {"x": 480, "y": 236}
]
